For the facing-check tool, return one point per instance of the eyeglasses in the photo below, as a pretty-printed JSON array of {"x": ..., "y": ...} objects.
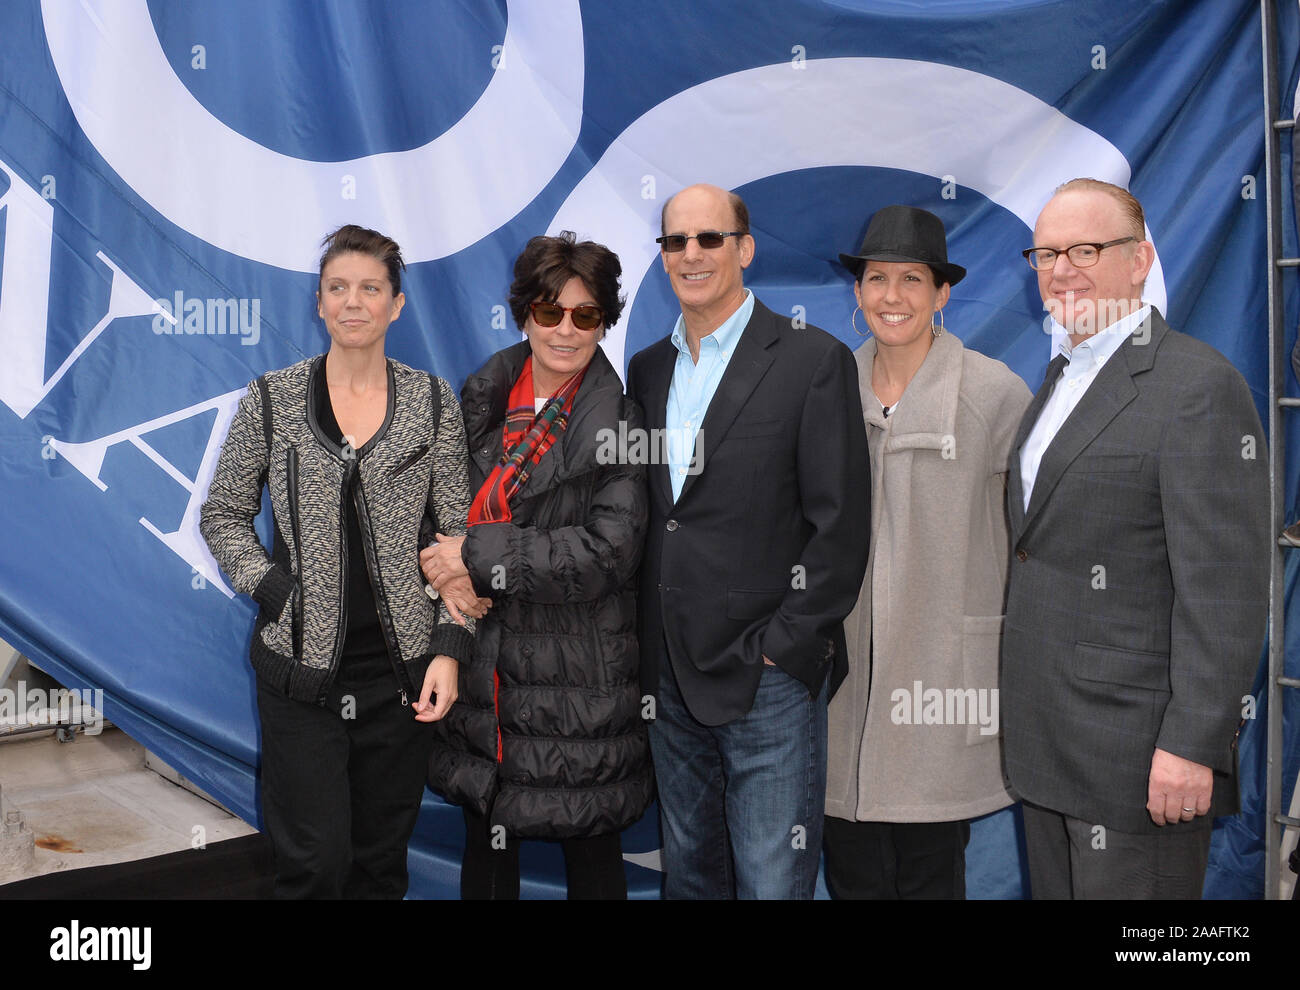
[
  {"x": 708, "y": 239},
  {"x": 1081, "y": 255},
  {"x": 549, "y": 314}
]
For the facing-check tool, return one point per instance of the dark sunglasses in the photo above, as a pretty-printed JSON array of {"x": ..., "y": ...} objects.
[
  {"x": 709, "y": 239},
  {"x": 549, "y": 314}
]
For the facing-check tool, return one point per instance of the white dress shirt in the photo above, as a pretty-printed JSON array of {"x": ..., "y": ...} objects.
[{"x": 1086, "y": 361}]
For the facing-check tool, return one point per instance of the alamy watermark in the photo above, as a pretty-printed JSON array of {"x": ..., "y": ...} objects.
[
  {"x": 209, "y": 317},
  {"x": 75, "y": 943},
  {"x": 669, "y": 445},
  {"x": 947, "y": 706},
  {"x": 1089, "y": 317},
  {"x": 58, "y": 706}
]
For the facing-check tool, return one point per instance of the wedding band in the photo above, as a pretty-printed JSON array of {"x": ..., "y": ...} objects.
[{"x": 1192, "y": 810}]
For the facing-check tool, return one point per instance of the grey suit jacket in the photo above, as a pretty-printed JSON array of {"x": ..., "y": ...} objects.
[{"x": 1138, "y": 588}]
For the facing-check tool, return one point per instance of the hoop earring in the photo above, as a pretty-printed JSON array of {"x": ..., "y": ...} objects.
[
  {"x": 939, "y": 330},
  {"x": 853, "y": 318}
]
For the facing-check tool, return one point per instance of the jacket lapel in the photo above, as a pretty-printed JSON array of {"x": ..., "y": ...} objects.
[
  {"x": 1110, "y": 391},
  {"x": 653, "y": 387},
  {"x": 744, "y": 371},
  {"x": 1015, "y": 483},
  {"x": 925, "y": 417}
]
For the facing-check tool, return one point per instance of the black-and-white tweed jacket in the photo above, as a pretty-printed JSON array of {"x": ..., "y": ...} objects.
[{"x": 409, "y": 469}]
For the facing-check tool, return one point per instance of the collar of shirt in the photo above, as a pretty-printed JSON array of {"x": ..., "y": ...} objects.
[
  {"x": 1086, "y": 362},
  {"x": 724, "y": 338},
  {"x": 1096, "y": 350}
]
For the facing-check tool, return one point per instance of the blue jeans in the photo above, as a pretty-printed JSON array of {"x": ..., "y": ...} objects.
[{"x": 741, "y": 804}]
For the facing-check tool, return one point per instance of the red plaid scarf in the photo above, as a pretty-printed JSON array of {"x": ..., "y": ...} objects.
[{"x": 526, "y": 436}]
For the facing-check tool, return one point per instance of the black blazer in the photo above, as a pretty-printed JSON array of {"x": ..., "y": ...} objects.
[
  {"x": 764, "y": 552},
  {"x": 1138, "y": 588}
]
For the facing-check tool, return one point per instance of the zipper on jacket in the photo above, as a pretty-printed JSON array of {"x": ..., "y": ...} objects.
[
  {"x": 419, "y": 452},
  {"x": 342, "y": 608},
  {"x": 496, "y": 708},
  {"x": 377, "y": 588},
  {"x": 291, "y": 477}
]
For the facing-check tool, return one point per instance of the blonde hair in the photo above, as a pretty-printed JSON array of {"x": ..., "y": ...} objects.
[{"x": 1128, "y": 203}]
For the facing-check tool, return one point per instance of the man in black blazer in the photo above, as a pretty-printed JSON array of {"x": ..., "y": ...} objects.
[
  {"x": 756, "y": 547},
  {"x": 1137, "y": 597}
]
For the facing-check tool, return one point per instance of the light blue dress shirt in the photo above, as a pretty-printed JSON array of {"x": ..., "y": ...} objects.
[
  {"x": 1086, "y": 361},
  {"x": 693, "y": 386}
]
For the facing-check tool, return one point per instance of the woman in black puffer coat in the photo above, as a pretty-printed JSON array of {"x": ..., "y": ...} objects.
[{"x": 546, "y": 739}]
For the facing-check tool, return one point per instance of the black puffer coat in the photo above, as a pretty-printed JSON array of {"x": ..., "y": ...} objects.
[{"x": 561, "y": 634}]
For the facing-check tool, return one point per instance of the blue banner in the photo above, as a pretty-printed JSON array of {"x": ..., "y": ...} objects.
[{"x": 167, "y": 171}]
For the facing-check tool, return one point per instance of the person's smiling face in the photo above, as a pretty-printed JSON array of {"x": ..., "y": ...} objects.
[
  {"x": 563, "y": 350},
  {"x": 1086, "y": 300},
  {"x": 708, "y": 282},
  {"x": 899, "y": 300}
]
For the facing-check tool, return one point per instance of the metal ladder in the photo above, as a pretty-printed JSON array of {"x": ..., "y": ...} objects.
[{"x": 1274, "y": 127}]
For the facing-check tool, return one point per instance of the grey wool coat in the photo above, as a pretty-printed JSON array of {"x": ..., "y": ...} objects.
[{"x": 913, "y": 732}]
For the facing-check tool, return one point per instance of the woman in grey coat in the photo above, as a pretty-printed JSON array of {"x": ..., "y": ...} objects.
[{"x": 914, "y": 748}]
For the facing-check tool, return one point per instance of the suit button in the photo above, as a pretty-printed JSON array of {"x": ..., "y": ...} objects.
[
  {"x": 525, "y": 714},
  {"x": 671, "y": 525},
  {"x": 527, "y": 651},
  {"x": 1021, "y": 555},
  {"x": 484, "y": 452}
]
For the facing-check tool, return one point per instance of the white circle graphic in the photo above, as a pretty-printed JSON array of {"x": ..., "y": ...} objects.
[
  {"x": 266, "y": 206},
  {"x": 924, "y": 117}
]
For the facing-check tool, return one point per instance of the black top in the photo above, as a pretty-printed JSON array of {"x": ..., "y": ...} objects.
[{"x": 365, "y": 654}]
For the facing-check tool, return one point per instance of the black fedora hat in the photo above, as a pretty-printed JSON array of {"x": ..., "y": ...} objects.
[{"x": 904, "y": 233}]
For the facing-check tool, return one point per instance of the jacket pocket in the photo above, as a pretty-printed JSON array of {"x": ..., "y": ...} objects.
[
  {"x": 981, "y": 642},
  {"x": 1108, "y": 463},
  {"x": 1113, "y": 665},
  {"x": 743, "y": 604},
  {"x": 754, "y": 428}
]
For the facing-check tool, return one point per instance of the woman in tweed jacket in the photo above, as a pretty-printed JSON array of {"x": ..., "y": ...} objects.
[{"x": 361, "y": 455}]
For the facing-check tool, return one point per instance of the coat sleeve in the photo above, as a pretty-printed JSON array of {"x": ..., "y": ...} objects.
[
  {"x": 575, "y": 563},
  {"x": 834, "y": 479},
  {"x": 449, "y": 497},
  {"x": 1214, "y": 485},
  {"x": 1013, "y": 399},
  {"x": 234, "y": 500}
]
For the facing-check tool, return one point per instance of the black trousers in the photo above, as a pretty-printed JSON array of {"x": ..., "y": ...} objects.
[
  {"x": 593, "y": 865},
  {"x": 342, "y": 784},
  {"x": 895, "y": 860},
  {"x": 1070, "y": 859}
]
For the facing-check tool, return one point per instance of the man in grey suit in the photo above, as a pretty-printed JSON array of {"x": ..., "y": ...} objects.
[{"x": 1137, "y": 596}]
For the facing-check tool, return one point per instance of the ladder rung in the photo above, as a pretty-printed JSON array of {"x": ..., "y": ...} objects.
[
  {"x": 1292, "y": 682},
  {"x": 1288, "y": 401},
  {"x": 1282, "y": 125},
  {"x": 1286, "y": 820},
  {"x": 1288, "y": 262}
]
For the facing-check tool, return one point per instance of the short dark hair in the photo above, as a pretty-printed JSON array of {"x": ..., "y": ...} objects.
[
  {"x": 351, "y": 239},
  {"x": 546, "y": 264},
  {"x": 738, "y": 207}
]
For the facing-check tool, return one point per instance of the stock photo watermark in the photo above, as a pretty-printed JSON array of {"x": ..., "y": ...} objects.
[
  {"x": 192, "y": 317},
  {"x": 55, "y": 707}
]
